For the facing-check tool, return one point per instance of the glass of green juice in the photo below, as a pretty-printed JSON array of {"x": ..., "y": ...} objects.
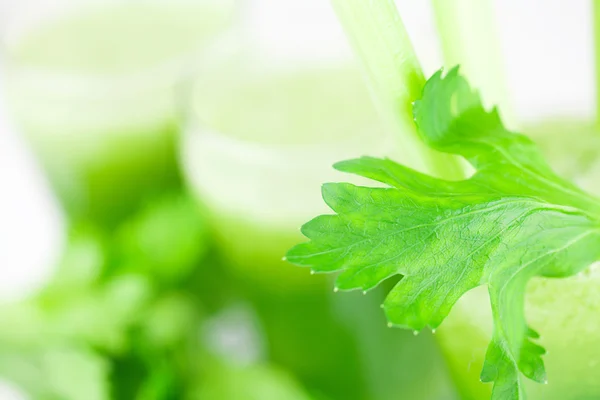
[
  {"x": 262, "y": 137},
  {"x": 93, "y": 85}
]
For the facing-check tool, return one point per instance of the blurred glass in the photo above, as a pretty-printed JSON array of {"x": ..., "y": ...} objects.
[
  {"x": 94, "y": 87},
  {"x": 266, "y": 124}
]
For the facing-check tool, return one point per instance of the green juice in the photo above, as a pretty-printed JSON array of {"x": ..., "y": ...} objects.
[
  {"x": 563, "y": 311},
  {"x": 95, "y": 91},
  {"x": 259, "y": 148}
]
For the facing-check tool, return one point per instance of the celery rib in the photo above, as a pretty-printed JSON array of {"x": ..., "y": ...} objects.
[
  {"x": 469, "y": 38},
  {"x": 379, "y": 38}
]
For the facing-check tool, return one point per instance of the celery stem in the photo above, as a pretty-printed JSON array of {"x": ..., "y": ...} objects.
[
  {"x": 379, "y": 38},
  {"x": 469, "y": 38}
]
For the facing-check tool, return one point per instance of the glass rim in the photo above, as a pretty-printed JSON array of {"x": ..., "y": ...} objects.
[
  {"x": 195, "y": 125},
  {"x": 196, "y": 138}
]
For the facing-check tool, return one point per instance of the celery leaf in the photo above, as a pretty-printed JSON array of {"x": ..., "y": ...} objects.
[{"x": 512, "y": 220}]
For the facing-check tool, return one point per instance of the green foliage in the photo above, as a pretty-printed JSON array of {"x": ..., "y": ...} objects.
[
  {"x": 164, "y": 240},
  {"x": 513, "y": 219},
  {"x": 117, "y": 319}
]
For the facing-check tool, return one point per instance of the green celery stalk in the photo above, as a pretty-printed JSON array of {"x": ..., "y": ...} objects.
[
  {"x": 377, "y": 34},
  {"x": 469, "y": 38}
]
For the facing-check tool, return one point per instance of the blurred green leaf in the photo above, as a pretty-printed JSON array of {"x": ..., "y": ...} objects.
[
  {"x": 166, "y": 239},
  {"x": 124, "y": 294}
]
